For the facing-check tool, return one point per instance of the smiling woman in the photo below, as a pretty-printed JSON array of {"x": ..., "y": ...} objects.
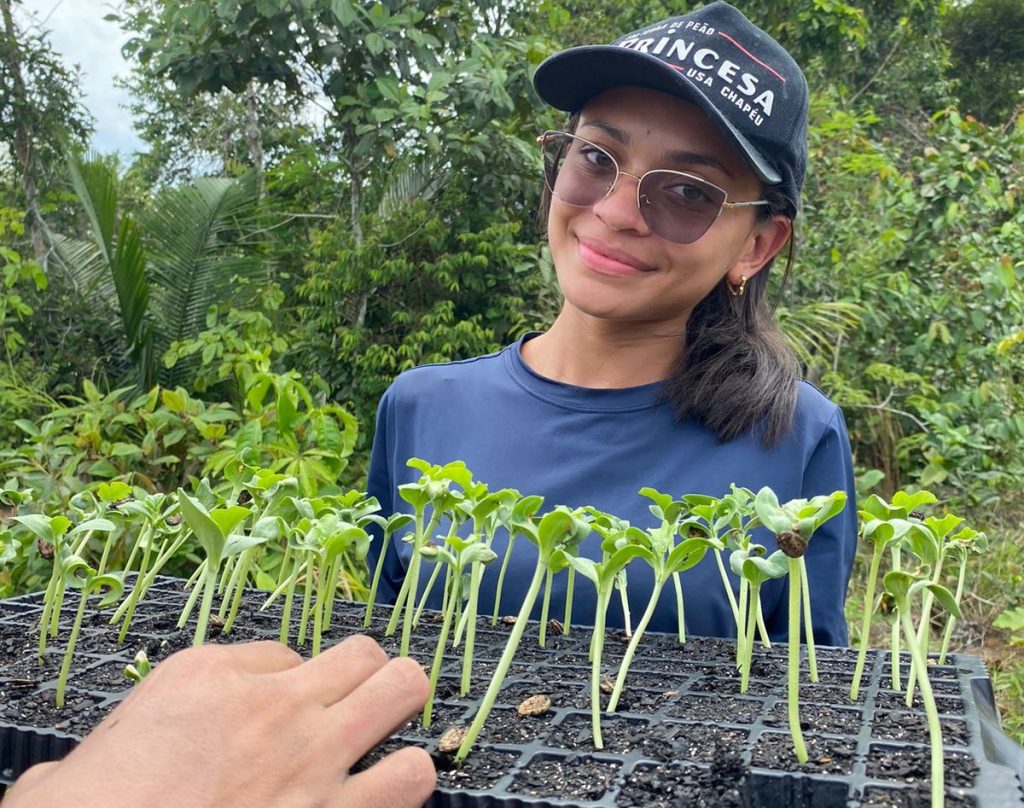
[{"x": 669, "y": 195}]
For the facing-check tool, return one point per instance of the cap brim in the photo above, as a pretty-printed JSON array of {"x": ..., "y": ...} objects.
[{"x": 569, "y": 79}]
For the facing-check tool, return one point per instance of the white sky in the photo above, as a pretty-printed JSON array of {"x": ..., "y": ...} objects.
[{"x": 79, "y": 32}]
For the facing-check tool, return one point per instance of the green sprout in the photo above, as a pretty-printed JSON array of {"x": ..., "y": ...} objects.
[
  {"x": 965, "y": 542},
  {"x": 707, "y": 520},
  {"x": 899, "y": 587},
  {"x": 881, "y": 524},
  {"x": 139, "y": 668},
  {"x": 78, "y": 574},
  {"x": 621, "y": 545},
  {"x": 929, "y": 545},
  {"x": 522, "y": 513},
  {"x": 794, "y": 524},
  {"x": 667, "y": 559},
  {"x": 463, "y": 553},
  {"x": 432, "y": 490},
  {"x": 556, "y": 529},
  {"x": 752, "y": 566},
  {"x": 52, "y": 530},
  {"x": 389, "y": 526},
  {"x": 212, "y": 529}
]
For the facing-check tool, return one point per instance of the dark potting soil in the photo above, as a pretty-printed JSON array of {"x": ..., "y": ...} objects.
[
  {"x": 505, "y": 725},
  {"x": 443, "y": 717},
  {"x": 107, "y": 677},
  {"x": 893, "y": 700},
  {"x": 572, "y": 695},
  {"x": 676, "y": 740},
  {"x": 381, "y": 751},
  {"x": 663, "y": 727},
  {"x": 481, "y": 770},
  {"x": 634, "y": 700},
  {"x": 713, "y": 707},
  {"x": 683, "y": 785},
  {"x": 912, "y": 764},
  {"x": 877, "y": 797},
  {"x": 774, "y": 750},
  {"x": 906, "y": 726},
  {"x": 80, "y": 713},
  {"x": 828, "y": 694},
  {"x": 816, "y": 718},
  {"x": 620, "y": 734},
  {"x": 731, "y": 684},
  {"x": 578, "y": 777}
]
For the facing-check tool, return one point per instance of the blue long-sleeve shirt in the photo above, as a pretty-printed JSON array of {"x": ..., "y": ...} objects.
[{"x": 581, "y": 446}]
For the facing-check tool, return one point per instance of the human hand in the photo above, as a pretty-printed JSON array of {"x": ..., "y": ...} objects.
[{"x": 248, "y": 724}]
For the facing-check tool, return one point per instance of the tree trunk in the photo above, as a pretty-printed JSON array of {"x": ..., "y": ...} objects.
[
  {"x": 23, "y": 147},
  {"x": 356, "y": 203},
  {"x": 254, "y": 136}
]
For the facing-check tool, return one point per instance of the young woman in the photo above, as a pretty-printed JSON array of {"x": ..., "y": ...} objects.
[{"x": 669, "y": 195}]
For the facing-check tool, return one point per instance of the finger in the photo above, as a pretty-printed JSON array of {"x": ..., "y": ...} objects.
[
  {"x": 377, "y": 707},
  {"x": 30, "y": 777},
  {"x": 265, "y": 656},
  {"x": 331, "y": 676},
  {"x": 403, "y": 778}
]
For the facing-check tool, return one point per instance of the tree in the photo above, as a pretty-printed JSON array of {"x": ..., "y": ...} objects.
[
  {"x": 40, "y": 113},
  {"x": 986, "y": 39},
  {"x": 163, "y": 268}
]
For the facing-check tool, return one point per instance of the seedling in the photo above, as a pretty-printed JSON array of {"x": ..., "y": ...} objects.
[
  {"x": 933, "y": 555},
  {"x": 752, "y": 566},
  {"x": 556, "y": 529},
  {"x": 793, "y": 525},
  {"x": 522, "y": 513},
  {"x": 881, "y": 524},
  {"x": 432, "y": 489},
  {"x": 139, "y": 668},
  {"x": 707, "y": 521},
  {"x": 899, "y": 587},
  {"x": 965, "y": 542},
  {"x": 388, "y": 527},
  {"x": 620, "y": 546},
  {"x": 211, "y": 529},
  {"x": 75, "y": 572},
  {"x": 462, "y": 553},
  {"x": 152, "y": 513},
  {"x": 667, "y": 559},
  {"x": 332, "y": 537},
  {"x": 50, "y": 529}
]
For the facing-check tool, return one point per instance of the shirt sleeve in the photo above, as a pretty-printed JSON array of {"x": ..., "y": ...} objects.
[{"x": 831, "y": 551}]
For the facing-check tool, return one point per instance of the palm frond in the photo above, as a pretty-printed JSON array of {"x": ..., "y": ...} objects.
[
  {"x": 815, "y": 329},
  {"x": 114, "y": 250},
  {"x": 193, "y": 236},
  {"x": 411, "y": 179}
]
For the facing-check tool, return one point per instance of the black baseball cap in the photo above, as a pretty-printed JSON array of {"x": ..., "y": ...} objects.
[{"x": 715, "y": 58}]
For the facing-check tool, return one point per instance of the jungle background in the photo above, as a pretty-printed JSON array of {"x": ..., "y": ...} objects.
[{"x": 333, "y": 191}]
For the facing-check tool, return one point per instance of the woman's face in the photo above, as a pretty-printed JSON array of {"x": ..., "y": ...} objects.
[{"x": 610, "y": 265}]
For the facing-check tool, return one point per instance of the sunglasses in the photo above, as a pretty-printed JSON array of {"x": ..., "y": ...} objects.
[{"x": 677, "y": 206}]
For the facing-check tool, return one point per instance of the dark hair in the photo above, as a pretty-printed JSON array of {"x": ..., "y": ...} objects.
[{"x": 737, "y": 372}]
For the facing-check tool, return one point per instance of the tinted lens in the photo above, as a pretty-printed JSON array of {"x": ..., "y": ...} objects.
[
  {"x": 577, "y": 172},
  {"x": 679, "y": 207},
  {"x": 676, "y": 206}
]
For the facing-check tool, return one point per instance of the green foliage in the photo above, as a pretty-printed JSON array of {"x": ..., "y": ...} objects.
[
  {"x": 162, "y": 270},
  {"x": 986, "y": 40},
  {"x": 933, "y": 265},
  {"x": 434, "y": 292}
]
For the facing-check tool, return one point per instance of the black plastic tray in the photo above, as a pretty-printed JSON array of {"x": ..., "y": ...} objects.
[{"x": 691, "y": 718}]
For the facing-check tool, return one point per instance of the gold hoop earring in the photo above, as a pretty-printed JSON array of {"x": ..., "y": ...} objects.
[{"x": 739, "y": 289}]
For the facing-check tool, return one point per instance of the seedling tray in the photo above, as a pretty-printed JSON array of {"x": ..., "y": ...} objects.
[{"x": 683, "y": 734}]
